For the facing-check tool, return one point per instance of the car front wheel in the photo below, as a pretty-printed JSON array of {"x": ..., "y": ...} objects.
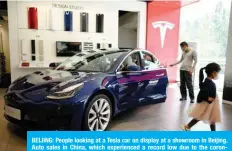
[{"x": 98, "y": 113}]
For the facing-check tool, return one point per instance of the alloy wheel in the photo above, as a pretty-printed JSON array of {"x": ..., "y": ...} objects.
[{"x": 99, "y": 115}]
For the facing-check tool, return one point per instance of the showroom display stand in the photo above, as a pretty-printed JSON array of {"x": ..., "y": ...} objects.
[{"x": 41, "y": 21}]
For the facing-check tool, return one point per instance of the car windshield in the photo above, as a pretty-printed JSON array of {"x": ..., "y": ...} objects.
[{"x": 100, "y": 62}]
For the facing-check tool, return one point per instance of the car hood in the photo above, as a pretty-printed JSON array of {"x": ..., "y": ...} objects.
[{"x": 48, "y": 79}]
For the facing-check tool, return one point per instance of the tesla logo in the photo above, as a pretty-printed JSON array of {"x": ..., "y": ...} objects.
[{"x": 163, "y": 26}]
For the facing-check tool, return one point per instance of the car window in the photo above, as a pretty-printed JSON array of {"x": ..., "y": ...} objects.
[
  {"x": 131, "y": 63},
  {"x": 149, "y": 61},
  {"x": 100, "y": 62},
  {"x": 148, "y": 57}
]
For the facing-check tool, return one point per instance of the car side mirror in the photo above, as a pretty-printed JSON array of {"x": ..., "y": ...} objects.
[{"x": 54, "y": 64}]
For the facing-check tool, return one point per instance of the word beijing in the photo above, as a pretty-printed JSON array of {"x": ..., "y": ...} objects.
[{"x": 63, "y": 140}]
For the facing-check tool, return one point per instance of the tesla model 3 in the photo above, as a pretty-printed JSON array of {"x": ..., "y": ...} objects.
[{"x": 84, "y": 94}]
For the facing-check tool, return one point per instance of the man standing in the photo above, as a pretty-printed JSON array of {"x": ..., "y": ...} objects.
[{"x": 186, "y": 71}]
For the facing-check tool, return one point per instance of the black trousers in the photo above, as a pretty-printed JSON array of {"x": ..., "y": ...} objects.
[{"x": 186, "y": 80}]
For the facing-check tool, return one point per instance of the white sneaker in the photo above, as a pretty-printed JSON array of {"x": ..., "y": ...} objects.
[{"x": 184, "y": 128}]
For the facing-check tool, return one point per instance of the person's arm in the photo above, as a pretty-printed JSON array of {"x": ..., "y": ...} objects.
[
  {"x": 195, "y": 58},
  {"x": 212, "y": 93},
  {"x": 181, "y": 59},
  {"x": 210, "y": 99}
]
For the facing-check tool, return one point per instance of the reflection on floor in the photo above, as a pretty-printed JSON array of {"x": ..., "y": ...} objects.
[{"x": 166, "y": 116}]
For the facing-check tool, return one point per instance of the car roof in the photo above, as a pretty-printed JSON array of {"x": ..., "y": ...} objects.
[
  {"x": 98, "y": 51},
  {"x": 90, "y": 53}
]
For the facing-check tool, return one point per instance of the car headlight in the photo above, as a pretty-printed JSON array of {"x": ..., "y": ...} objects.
[{"x": 67, "y": 92}]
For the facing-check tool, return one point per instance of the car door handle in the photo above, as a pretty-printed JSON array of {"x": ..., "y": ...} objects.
[{"x": 160, "y": 75}]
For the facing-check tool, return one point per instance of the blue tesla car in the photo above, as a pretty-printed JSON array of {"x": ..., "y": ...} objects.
[{"x": 87, "y": 90}]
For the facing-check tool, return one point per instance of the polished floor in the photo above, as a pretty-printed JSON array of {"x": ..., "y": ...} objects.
[{"x": 166, "y": 116}]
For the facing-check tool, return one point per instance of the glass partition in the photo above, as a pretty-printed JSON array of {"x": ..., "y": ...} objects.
[{"x": 206, "y": 25}]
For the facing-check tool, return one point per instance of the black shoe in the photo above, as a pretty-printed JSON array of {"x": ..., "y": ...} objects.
[
  {"x": 183, "y": 99},
  {"x": 192, "y": 101}
]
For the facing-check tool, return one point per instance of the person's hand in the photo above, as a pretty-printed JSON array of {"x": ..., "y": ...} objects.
[{"x": 191, "y": 70}]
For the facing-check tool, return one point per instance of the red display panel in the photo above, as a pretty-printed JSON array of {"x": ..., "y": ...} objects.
[
  {"x": 163, "y": 32},
  {"x": 25, "y": 64},
  {"x": 32, "y": 18}
]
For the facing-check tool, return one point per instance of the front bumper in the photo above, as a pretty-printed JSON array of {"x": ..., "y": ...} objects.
[{"x": 45, "y": 115}]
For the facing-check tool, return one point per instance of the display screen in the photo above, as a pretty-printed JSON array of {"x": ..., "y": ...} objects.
[{"x": 67, "y": 49}]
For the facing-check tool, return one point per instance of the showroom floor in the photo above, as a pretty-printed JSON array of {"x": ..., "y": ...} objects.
[{"x": 165, "y": 116}]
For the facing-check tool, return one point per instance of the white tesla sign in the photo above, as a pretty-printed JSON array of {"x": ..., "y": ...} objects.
[{"x": 163, "y": 26}]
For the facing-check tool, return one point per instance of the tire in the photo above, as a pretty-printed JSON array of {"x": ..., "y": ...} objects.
[{"x": 98, "y": 113}]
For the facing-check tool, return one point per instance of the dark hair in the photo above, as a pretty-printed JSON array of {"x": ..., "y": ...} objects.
[
  {"x": 209, "y": 69},
  {"x": 182, "y": 44}
]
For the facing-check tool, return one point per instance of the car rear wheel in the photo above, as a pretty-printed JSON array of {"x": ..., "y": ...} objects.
[{"x": 98, "y": 113}]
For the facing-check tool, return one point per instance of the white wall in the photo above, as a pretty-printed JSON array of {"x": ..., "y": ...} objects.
[
  {"x": 127, "y": 38},
  {"x": 17, "y": 14},
  {"x": 5, "y": 42}
]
